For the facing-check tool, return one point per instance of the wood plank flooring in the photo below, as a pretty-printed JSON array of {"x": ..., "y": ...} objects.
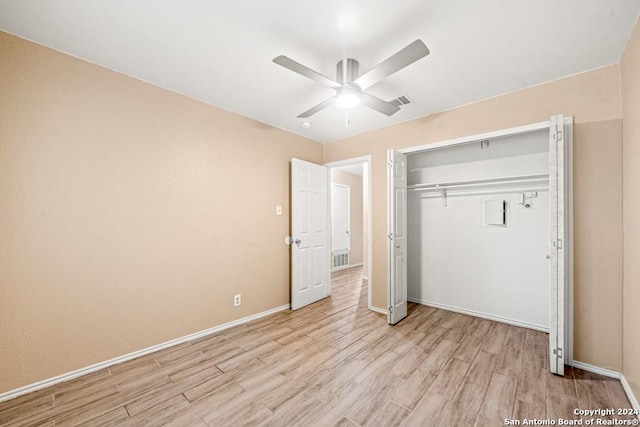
[{"x": 334, "y": 363}]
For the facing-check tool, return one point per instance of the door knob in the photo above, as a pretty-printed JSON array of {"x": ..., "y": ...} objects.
[
  {"x": 398, "y": 246},
  {"x": 297, "y": 242}
]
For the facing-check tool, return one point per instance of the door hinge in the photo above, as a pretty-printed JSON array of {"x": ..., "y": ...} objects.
[
  {"x": 557, "y": 135},
  {"x": 558, "y": 352},
  {"x": 557, "y": 244},
  {"x": 558, "y": 130},
  {"x": 390, "y": 163},
  {"x": 390, "y": 309},
  {"x": 390, "y": 236}
]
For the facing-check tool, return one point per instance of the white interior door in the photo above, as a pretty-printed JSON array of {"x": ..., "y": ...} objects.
[
  {"x": 397, "y": 235},
  {"x": 310, "y": 233},
  {"x": 557, "y": 243},
  {"x": 340, "y": 217}
]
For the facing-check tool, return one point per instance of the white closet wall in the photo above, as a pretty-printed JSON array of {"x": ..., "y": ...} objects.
[{"x": 454, "y": 261}]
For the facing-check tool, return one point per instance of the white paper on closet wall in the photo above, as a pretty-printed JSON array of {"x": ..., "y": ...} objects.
[{"x": 526, "y": 199}]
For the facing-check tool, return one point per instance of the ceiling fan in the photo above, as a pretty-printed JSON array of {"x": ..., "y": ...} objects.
[{"x": 350, "y": 85}]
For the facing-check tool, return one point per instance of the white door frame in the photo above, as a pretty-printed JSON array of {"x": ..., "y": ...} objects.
[
  {"x": 365, "y": 177},
  {"x": 568, "y": 127}
]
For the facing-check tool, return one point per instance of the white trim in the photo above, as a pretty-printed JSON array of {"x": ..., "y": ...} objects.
[
  {"x": 378, "y": 310},
  {"x": 612, "y": 374},
  {"x": 348, "y": 266},
  {"x": 366, "y": 176},
  {"x": 597, "y": 370},
  {"x": 348, "y": 162},
  {"x": 479, "y": 137},
  {"x": 480, "y": 314},
  {"x": 369, "y": 272},
  {"x": 98, "y": 366},
  {"x": 629, "y": 392},
  {"x": 568, "y": 324}
]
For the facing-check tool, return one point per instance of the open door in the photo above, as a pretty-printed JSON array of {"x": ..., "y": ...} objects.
[
  {"x": 340, "y": 218},
  {"x": 397, "y": 235},
  {"x": 310, "y": 233},
  {"x": 557, "y": 243}
]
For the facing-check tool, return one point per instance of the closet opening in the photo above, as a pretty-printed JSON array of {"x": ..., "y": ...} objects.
[{"x": 482, "y": 226}]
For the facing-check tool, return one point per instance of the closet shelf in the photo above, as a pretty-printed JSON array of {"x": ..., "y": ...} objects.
[{"x": 508, "y": 181}]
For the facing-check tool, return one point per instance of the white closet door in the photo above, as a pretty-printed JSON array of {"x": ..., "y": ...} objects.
[
  {"x": 397, "y": 235},
  {"x": 310, "y": 231},
  {"x": 557, "y": 252}
]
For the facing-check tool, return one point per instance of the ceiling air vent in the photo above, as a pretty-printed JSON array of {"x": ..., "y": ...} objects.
[{"x": 401, "y": 100}]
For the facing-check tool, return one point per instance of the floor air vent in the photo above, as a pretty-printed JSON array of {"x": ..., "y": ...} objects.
[{"x": 340, "y": 260}]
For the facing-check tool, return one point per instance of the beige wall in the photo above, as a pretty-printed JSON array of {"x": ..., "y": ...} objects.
[
  {"x": 597, "y": 214},
  {"x": 355, "y": 211},
  {"x": 630, "y": 68},
  {"x": 593, "y": 99},
  {"x": 130, "y": 215}
]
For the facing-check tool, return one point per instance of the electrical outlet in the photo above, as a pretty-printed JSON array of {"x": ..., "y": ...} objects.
[
  {"x": 237, "y": 300},
  {"x": 279, "y": 210}
]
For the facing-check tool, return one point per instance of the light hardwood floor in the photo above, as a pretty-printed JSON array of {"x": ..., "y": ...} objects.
[{"x": 334, "y": 363}]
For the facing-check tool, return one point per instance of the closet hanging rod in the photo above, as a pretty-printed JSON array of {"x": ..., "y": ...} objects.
[
  {"x": 478, "y": 191},
  {"x": 480, "y": 181}
]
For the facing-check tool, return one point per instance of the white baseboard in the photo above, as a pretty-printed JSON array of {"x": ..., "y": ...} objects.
[
  {"x": 481, "y": 315},
  {"x": 596, "y": 369},
  {"x": 346, "y": 267},
  {"x": 89, "y": 369},
  {"x": 378, "y": 310},
  {"x": 630, "y": 395},
  {"x": 612, "y": 374}
]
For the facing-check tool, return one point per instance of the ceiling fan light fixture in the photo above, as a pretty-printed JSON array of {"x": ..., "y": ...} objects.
[
  {"x": 350, "y": 85},
  {"x": 347, "y": 98}
]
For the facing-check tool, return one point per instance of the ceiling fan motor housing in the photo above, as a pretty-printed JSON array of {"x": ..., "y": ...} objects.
[{"x": 347, "y": 71}]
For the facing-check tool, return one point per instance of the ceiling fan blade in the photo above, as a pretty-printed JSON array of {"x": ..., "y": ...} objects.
[
  {"x": 324, "y": 104},
  {"x": 378, "y": 104},
  {"x": 396, "y": 62},
  {"x": 305, "y": 71}
]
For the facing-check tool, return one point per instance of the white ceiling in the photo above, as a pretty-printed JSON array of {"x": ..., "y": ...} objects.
[{"x": 221, "y": 52}]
